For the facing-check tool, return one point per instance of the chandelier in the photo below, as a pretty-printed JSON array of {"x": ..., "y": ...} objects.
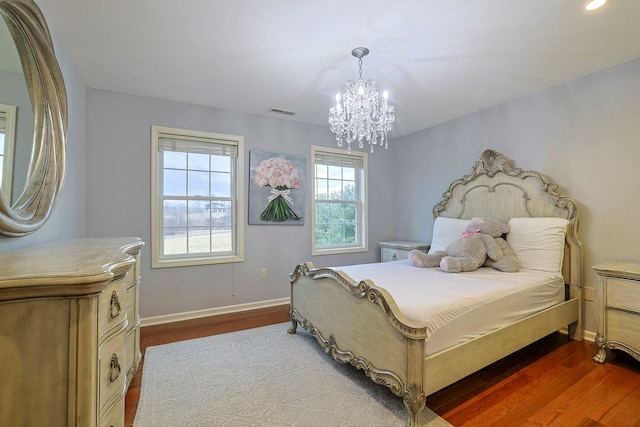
[{"x": 358, "y": 115}]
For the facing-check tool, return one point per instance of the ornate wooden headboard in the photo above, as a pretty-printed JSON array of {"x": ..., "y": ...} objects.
[{"x": 497, "y": 189}]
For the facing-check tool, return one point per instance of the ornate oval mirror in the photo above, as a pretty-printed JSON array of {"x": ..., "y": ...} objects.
[{"x": 29, "y": 209}]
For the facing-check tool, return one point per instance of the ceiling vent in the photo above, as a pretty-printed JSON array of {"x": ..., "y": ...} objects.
[{"x": 281, "y": 111}]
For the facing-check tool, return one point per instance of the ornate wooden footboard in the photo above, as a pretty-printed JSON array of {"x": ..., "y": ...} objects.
[{"x": 360, "y": 323}]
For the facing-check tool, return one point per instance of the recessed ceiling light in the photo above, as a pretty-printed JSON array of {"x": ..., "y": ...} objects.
[{"x": 595, "y": 4}]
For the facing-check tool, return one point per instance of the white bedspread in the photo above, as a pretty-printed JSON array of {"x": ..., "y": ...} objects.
[{"x": 459, "y": 307}]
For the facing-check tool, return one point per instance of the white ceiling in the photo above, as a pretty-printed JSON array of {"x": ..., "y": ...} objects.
[{"x": 439, "y": 59}]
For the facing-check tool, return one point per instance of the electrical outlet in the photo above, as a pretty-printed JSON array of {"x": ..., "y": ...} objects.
[
  {"x": 589, "y": 294},
  {"x": 263, "y": 273}
]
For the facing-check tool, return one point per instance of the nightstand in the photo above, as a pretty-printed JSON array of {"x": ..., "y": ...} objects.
[
  {"x": 618, "y": 309},
  {"x": 395, "y": 250}
]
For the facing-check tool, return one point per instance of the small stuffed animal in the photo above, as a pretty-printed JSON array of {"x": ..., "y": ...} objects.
[{"x": 480, "y": 245}]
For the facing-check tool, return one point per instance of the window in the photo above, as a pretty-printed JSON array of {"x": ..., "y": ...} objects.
[
  {"x": 197, "y": 212},
  {"x": 339, "y": 213}
]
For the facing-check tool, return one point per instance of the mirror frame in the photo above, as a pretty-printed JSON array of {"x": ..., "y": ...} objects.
[{"x": 45, "y": 175}]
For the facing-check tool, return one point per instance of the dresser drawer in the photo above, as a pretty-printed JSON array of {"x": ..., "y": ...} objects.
[
  {"x": 114, "y": 417},
  {"x": 112, "y": 365},
  {"x": 112, "y": 306},
  {"x": 623, "y": 327},
  {"x": 622, "y": 293}
]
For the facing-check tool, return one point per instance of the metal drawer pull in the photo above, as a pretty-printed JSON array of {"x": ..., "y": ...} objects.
[
  {"x": 115, "y": 308},
  {"x": 114, "y": 373}
]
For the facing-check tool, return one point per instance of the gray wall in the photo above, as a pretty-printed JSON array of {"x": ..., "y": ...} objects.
[
  {"x": 118, "y": 200},
  {"x": 68, "y": 219},
  {"x": 583, "y": 135}
]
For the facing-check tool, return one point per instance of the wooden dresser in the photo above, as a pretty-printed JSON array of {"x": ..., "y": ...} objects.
[
  {"x": 69, "y": 332},
  {"x": 619, "y": 309}
]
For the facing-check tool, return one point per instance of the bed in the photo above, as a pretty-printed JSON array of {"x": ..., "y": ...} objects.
[{"x": 368, "y": 315}]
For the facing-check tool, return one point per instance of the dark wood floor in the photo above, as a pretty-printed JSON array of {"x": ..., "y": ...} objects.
[{"x": 554, "y": 382}]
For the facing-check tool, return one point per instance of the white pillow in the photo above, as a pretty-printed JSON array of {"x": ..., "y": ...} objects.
[
  {"x": 538, "y": 242},
  {"x": 445, "y": 231}
]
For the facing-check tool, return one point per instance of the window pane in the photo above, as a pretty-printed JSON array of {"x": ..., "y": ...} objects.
[
  {"x": 199, "y": 240},
  {"x": 321, "y": 189},
  {"x": 174, "y": 160},
  {"x": 220, "y": 184},
  {"x": 322, "y": 235},
  {"x": 175, "y": 213},
  {"x": 198, "y": 184},
  {"x": 198, "y": 161},
  {"x": 221, "y": 239},
  {"x": 336, "y": 234},
  {"x": 335, "y": 172},
  {"x": 337, "y": 213},
  {"x": 335, "y": 189},
  {"x": 321, "y": 171},
  {"x": 350, "y": 233},
  {"x": 175, "y": 241},
  {"x": 175, "y": 183},
  {"x": 322, "y": 213},
  {"x": 349, "y": 174},
  {"x": 348, "y": 191},
  {"x": 350, "y": 213},
  {"x": 221, "y": 163},
  {"x": 198, "y": 214},
  {"x": 221, "y": 215}
]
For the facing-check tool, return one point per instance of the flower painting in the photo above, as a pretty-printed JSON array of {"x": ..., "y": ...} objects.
[{"x": 276, "y": 189}]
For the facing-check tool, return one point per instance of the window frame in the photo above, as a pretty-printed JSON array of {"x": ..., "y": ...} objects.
[
  {"x": 158, "y": 259},
  {"x": 362, "y": 203}
]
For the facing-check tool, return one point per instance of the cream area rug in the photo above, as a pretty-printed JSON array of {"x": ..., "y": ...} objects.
[{"x": 261, "y": 377}]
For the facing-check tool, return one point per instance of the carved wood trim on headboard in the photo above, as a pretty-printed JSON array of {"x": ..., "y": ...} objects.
[{"x": 491, "y": 164}]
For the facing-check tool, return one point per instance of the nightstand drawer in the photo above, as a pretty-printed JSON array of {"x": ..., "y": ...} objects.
[
  {"x": 396, "y": 250},
  {"x": 388, "y": 254},
  {"x": 623, "y": 328},
  {"x": 623, "y": 293}
]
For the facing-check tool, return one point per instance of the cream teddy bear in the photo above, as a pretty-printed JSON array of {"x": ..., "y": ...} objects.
[{"x": 480, "y": 245}]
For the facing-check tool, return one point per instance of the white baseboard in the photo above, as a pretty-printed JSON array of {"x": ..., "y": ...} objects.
[
  {"x": 589, "y": 336},
  {"x": 586, "y": 335},
  {"x": 197, "y": 314}
]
